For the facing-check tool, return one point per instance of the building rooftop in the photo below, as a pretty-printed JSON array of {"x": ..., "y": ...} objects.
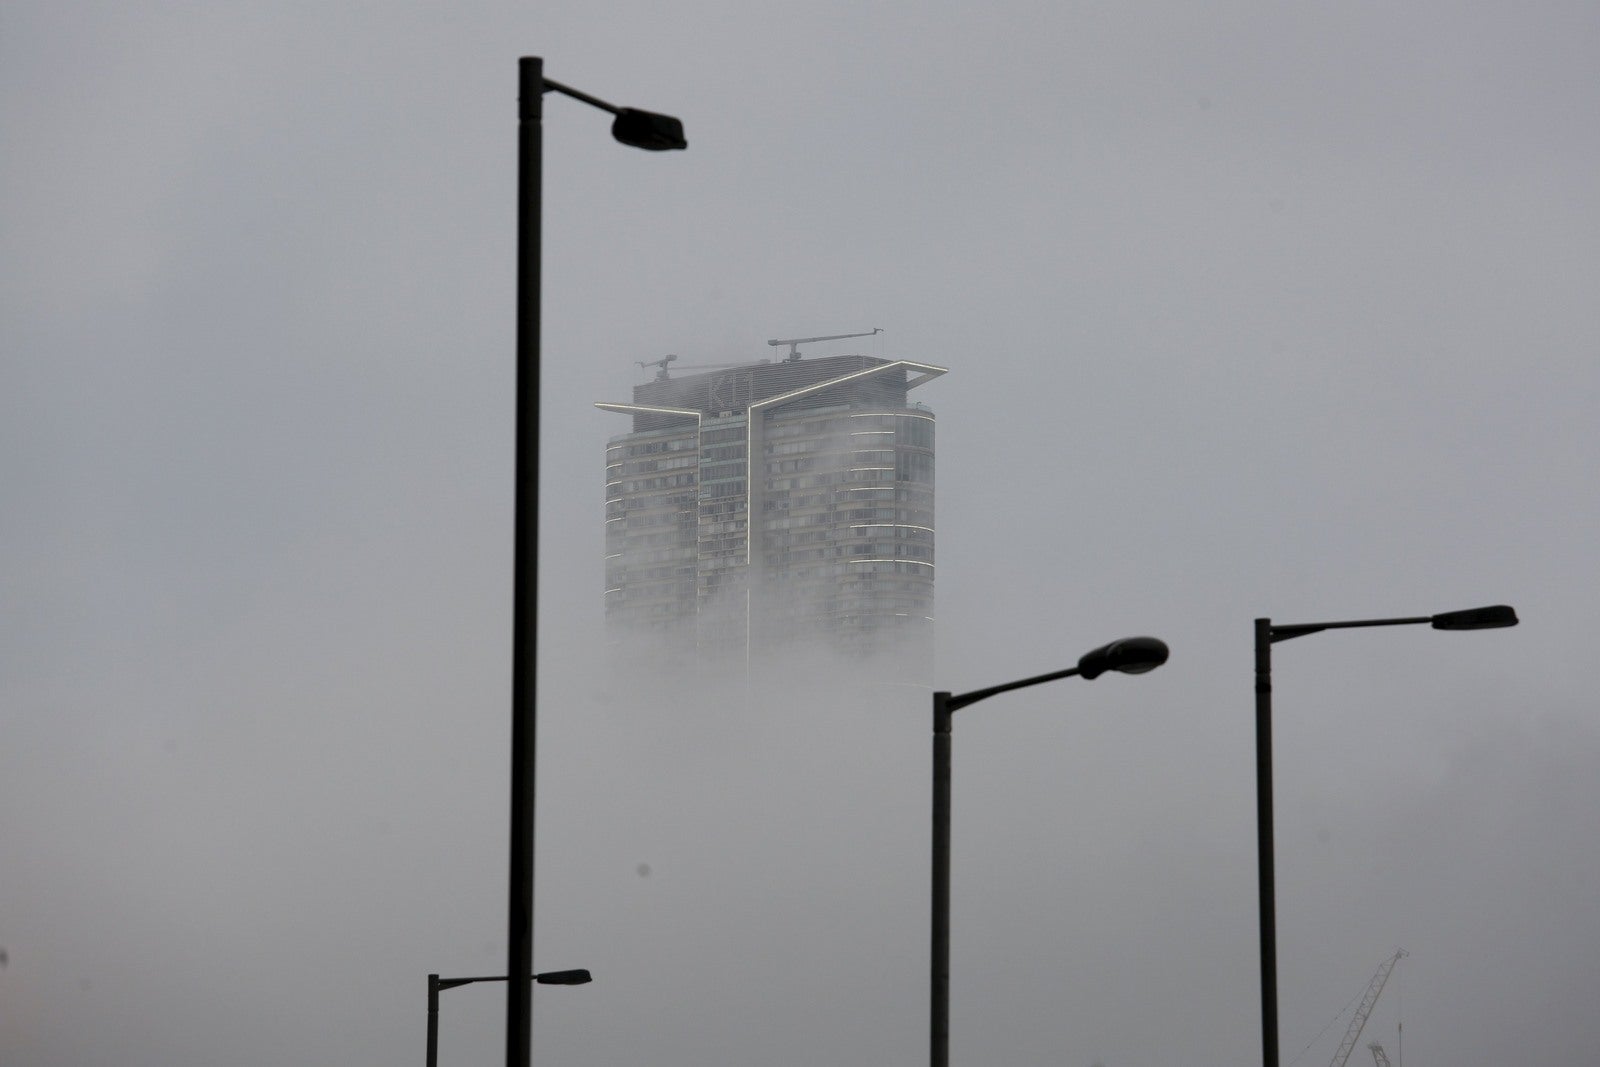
[{"x": 732, "y": 390}]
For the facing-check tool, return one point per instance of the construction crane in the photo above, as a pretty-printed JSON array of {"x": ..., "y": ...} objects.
[
  {"x": 1359, "y": 1020},
  {"x": 662, "y": 375},
  {"x": 794, "y": 343},
  {"x": 1380, "y": 1058}
]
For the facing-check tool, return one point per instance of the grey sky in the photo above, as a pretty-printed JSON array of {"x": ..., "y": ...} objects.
[{"x": 1249, "y": 309}]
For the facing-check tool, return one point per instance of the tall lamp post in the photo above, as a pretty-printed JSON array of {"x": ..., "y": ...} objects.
[
  {"x": 435, "y": 984},
  {"x": 639, "y": 129},
  {"x": 1268, "y": 634},
  {"x": 1131, "y": 655}
]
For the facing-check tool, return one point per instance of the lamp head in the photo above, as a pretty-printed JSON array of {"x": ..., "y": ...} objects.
[
  {"x": 648, "y": 130},
  {"x": 574, "y": 977},
  {"x": 1490, "y": 618},
  {"x": 1131, "y": 655}
]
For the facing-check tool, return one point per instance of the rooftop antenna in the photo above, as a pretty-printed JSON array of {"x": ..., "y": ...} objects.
[
  {"x": 794, "y": 343},
  {"x": 661, "y": 375}
]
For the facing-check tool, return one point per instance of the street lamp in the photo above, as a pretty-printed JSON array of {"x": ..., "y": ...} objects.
[
  {"x": 1131, "y": 655},
  {"x": 1267, "y": 635},
  {"x": 639, "y": 129},
  {"x": 435, "y": 984}
]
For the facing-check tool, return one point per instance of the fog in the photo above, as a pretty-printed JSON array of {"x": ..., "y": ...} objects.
[{"x": 1248, "y": 310}]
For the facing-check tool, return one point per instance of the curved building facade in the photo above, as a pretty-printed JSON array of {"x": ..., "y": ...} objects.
[{"x": 775, "y": 503}]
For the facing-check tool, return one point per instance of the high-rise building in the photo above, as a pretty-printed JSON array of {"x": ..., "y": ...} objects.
[{"x": 773, "y": 503}]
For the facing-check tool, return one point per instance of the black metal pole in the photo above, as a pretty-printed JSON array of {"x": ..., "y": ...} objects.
[
  {"x": 1267, "y": 886},
  {"x": 433, "y": 1020},
  {"x": 939, "y": 971},
  {"x": 525, "y": 568}
]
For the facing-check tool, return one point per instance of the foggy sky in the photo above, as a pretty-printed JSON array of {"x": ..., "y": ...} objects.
[{"x": 1249, "y": 309}]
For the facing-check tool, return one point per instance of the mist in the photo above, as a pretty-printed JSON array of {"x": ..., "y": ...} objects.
[{"x": 1248, "y": 311}]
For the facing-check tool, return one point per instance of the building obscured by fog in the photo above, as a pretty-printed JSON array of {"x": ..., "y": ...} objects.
[{"x": 827, "y": 461}]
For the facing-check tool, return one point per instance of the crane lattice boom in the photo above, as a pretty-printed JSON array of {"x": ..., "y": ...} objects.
[{"x": 1374, "y": 987}]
